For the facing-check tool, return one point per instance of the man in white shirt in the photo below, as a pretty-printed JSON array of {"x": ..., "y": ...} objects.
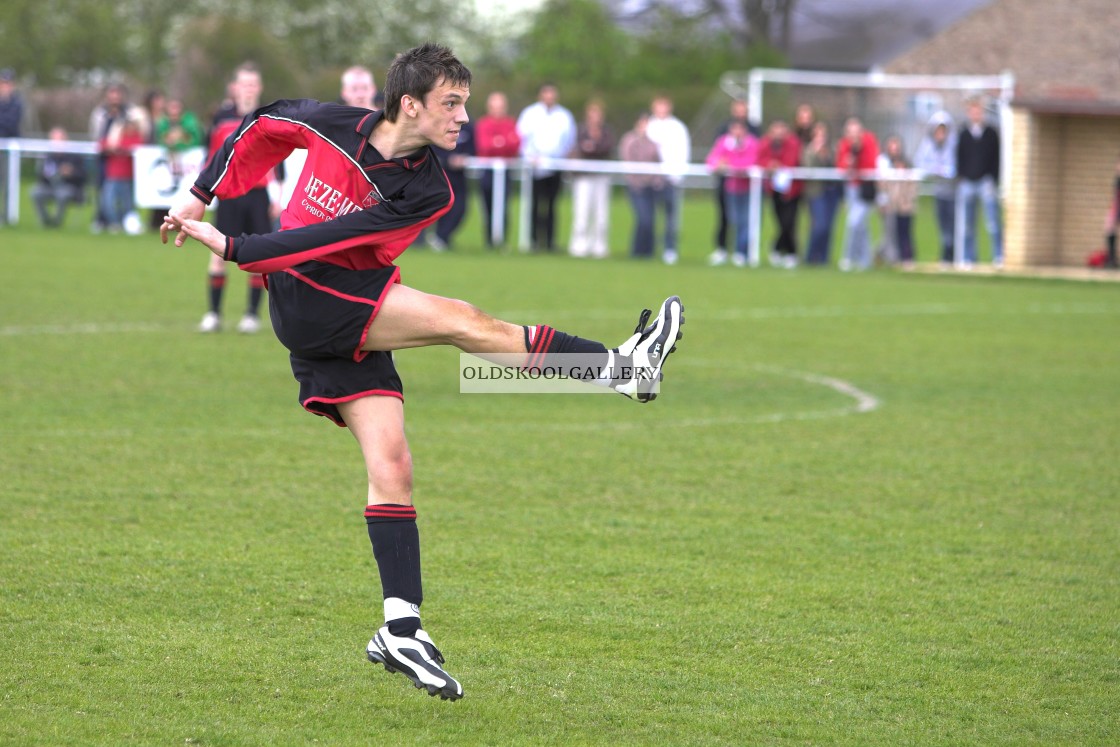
[
  {"x": 671, "y": 136},
  {"x": 547, "y": 130}
]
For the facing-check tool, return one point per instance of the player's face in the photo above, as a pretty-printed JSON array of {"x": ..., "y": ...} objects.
[{"x": 443, "y": 113}]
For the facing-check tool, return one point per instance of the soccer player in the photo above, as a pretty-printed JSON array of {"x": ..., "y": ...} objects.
[
  {"x": 249, "y": 211},
  {"x": 370, "y": 184}
]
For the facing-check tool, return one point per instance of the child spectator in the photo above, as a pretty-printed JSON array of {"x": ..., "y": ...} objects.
[
  {"x": 117, "y": 147},
  {"x": 902, "y": 198}
]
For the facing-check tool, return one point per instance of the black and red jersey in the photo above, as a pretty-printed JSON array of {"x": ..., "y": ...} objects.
[{"x": 351, "y": 208}]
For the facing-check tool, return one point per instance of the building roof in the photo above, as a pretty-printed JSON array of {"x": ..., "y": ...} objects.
[{"x": 1061, "y": 53}]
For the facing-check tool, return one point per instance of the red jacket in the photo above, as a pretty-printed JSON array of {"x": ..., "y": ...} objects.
[
  {"x": 865, "y": 160},
  {"x": 779, "y": 154},
  {"x": 118, "y": 156},
  {"x": 496, "y": 137}
]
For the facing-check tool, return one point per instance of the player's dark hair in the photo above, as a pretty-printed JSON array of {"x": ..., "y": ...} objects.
[{"x": 416, "y": 72}]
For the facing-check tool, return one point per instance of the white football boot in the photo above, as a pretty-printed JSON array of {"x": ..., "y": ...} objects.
[
  {"x": 640, "y": 359},
  {"x": 417, "y": 658}
]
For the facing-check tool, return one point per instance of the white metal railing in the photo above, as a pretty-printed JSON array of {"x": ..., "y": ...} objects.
[
  {"x": 694, "y": 175},
  {"x": 17, "y": 147}
]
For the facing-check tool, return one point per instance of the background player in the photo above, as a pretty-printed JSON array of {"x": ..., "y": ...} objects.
[
  {"x": 250, "y": 212},
  {"x": 358, "y": 88}
]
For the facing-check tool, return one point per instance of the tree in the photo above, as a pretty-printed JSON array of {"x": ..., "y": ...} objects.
[{"x": 749, "y": 22}]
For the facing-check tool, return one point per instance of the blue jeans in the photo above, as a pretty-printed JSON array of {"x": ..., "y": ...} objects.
[
  {"x": 669, "y": 196},
  {"x": 738, "y": 207},
  {"x": 642, "y": 200},
  {"x": 968, "y": 192},
  {"x": 822, "y": 213},
  {"x": 857, "y": 237},
  {"x": 946, "y": 208},
  {"x": 116, "y": 200}
]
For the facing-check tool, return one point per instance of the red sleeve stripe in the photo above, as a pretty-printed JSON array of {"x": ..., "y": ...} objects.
[{"x": 202, "y": 194}]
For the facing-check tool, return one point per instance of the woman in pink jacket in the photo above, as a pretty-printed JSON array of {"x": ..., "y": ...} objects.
[{"x": 731, "y": 156}]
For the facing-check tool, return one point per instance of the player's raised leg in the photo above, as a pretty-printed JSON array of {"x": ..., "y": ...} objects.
[
  {"x": 401, "y": 644},
  {"x": 410, "y": 318}
]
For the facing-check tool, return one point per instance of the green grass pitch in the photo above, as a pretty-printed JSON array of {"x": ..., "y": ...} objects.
[{"x": 868, "y": 509}]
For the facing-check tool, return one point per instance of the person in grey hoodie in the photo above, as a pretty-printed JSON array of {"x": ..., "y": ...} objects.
[{"x": 937, "y": 157}]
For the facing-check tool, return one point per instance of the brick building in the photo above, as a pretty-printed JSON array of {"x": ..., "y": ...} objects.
[{"x": 1065, "y": 116}]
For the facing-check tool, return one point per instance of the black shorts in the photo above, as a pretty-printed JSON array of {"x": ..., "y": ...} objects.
[
  {"x": 245, "y": 214},
  {"x": 322, "y": 313}
]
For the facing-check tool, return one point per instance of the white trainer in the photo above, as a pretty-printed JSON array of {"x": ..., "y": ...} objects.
[
  {"x": 417, "y": 658},
  {"x": 211, "y": 322},
  {"x": 249, "y": 325}
]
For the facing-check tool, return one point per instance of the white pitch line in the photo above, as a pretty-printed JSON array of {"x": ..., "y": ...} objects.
[
  {"x": 86, "y": 328},
  {"x": 718, "y": 315}
]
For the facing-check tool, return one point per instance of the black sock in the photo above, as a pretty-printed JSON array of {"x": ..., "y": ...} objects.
[
  {"x": 256, "y": 290},
  {"x": 542, "y": 341},
  {"x": 396, "y": 548},
  {"x": 217, "y": 286},
  {"x": 1111, "y": 243}
]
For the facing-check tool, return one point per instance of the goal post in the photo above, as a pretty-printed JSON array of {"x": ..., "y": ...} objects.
[{"x": 888, "y": 104}]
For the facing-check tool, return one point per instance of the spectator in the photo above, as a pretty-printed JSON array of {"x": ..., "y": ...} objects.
[
  {"x": 250, "y": 213},
  {"x": 591, "y": 193},
  {"x": 178, "y": 129},
  {"x": 731, "y": 158},
  {"x": 11, "y": 104},
  {"x": 114, "y": 108},
  {"x": 804, "y": 121},
  {"x": 62, "y": 180},
  {"x": 738, "y": 110},
  {"x": 496, "y": 137},
  {"x": 887, "y": 250},
  {"x": 672, "y": 140},
  {"x": 1112, "y": 222},
  {"x": 358, "y": 87},
  {"x": 937, "y": 157},
  {"x": 978, "y": 164},
  {"x": 11, "y": 115},
  {"x": 547, "y": 130},
  {"x": 642, "y": 188},
  {"x": 822, "y": 195},
  {"x": 902, "y": 199},
  {"x": 857, "y": 155},
  {"x": 779, "y": 151},
  {"x": 117, "y": 146},
  {"x": 454, "y": 164}
]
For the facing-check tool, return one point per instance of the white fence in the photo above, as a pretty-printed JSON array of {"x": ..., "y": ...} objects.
[{"x": 694, "y": 176}]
